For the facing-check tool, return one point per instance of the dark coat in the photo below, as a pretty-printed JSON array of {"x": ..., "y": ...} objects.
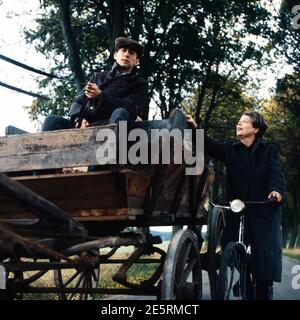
[
  {"x": 251, "y": 176},
  {"x": 128, "y": 91}
]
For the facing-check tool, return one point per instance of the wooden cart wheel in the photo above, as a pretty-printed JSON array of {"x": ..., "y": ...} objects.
[
  {"x": 17, "y": 280},
  {"x": 215, "y": 231},
  {"x": 182, "y": 277},
  {"x": 72, "y": 278}
]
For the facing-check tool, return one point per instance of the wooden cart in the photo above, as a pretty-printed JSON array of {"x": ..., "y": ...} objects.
[{"x": 62, "y": 220}]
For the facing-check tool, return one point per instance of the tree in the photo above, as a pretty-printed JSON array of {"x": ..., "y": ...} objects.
[
  {"x": 188, "y": 44},
  {"x": 231, "y": 102},
  {"x": 287, "y": 113},
  {"x": 86, "y": 31},
  {"x": 286, "y": 38},
  {"x": 70, "y": 40},
  {"x": 288, "y": 99}
]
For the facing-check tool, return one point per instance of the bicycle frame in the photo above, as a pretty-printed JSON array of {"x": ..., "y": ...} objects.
[{"x": 245, "y": 286}]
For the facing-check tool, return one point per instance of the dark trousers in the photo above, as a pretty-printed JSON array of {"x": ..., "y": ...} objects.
[
  {"x": 56, "y": 123},
  {"x": 52, "y": 122}
]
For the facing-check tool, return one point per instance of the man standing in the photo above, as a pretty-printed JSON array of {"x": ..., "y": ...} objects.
[
  {"x": 111, "y": 96},
  {"x": 253, "y": 173}
]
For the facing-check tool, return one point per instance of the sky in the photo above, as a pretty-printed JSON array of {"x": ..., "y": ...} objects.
[{"x": 14, "y": 16}]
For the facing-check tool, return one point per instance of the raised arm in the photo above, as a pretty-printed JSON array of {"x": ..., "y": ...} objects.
[{"x": 213, "y": 148}]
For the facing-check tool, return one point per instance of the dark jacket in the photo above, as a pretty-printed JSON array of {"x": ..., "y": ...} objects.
[
  {"x": 251, "y": 175},
  {"x": 128, "y": 91}
]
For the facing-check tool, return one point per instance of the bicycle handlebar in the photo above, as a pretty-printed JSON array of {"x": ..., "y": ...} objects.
[
  {"x": 272, "y": 200},
  {"x": 239, "y": 205}
]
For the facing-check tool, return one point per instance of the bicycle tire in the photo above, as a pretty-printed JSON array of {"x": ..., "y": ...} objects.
[
  {"x": 232, "y": 273},
  {"x": 215, "y": 231}
]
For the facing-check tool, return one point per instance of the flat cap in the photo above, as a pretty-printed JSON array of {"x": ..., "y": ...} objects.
[{"x": 123, "y": 42}]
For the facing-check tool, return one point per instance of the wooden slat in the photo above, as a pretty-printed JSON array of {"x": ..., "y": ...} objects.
[
  {"x": 101, "y": 190},
  {"x": 39, "y": 205},
  {"x": 84, "y": 214},
  {"x": 104, "y": 214},
  {"x": 54, "y": 149}
]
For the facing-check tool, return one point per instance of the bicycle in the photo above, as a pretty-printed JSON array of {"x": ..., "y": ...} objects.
[{"x": 235, "y": 279}]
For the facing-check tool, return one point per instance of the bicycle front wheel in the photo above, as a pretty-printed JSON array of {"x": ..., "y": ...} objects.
[{"x": 232, "y": 273}]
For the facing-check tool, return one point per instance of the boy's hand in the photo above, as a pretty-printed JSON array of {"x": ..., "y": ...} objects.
[
  {"x": 92, "y": 91},
  {"x": 84, "y": 124}
]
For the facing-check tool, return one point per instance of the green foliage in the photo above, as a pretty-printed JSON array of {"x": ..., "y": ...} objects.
[
  {"x": 186, "y": 41},
  {"x": 282, "y": 115},
  {"x": 286, "y": 38},
  {"x": 288, "y": 94}
]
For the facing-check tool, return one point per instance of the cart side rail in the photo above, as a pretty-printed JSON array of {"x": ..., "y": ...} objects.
[{"x": 53, "y": 149}]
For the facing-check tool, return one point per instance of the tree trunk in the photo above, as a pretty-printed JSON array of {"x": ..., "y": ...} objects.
[
  {"x": 297, "y": 214},
  {"x": 298, "y": 237},
  {"x": 212, "y": 105},
  {"x": 117, "y": 10},
  {"x": 137, "y": 28},
  {"x": 295, "y": 225},
  {"x": 293, "y": 237},
  {"x": 202, "y": 93},
  {"x": 73, "y": 50},
  {"x": 285, "y": 232},
  {"x": 146, "y": 69}
]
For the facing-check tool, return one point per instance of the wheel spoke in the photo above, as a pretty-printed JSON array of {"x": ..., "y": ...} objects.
[
  {"x": 85, "y": 278},
  {"x": 85, "y": 285},
  {"x": 80, "y": 280},
  {"x": 192, "y": 263},
  {"x": 75, "y": 275},
  {"x": 71, "y": 295},
  {"x": 181, "y": 265},
  {"x": 89, "y": 285},
  {"x": 94, "y": 275},
  {"x": 187, "y": 252},
  {"x": 35, "y": 276}
]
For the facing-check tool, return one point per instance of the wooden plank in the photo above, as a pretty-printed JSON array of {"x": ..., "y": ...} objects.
[
  {"x": 53, "y": 149},
  {"x": 105, "y": 214},
  {"x": 39, "y": 205},
  {"x": 85, "y": 214},
  {"x": 102, "y": 190}
]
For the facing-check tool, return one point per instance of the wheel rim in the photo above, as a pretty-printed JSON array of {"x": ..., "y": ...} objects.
[
  {"x": 215, "y": 232},
  {"x": 19, "y": 280},
  {"x": 182, "y": 278}
]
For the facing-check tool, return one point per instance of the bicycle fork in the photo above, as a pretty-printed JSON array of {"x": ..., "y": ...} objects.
[{"x": 247, "y": 286}]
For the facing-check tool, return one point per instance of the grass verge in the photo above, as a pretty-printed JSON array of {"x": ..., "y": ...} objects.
[{"x": 292, "y": 253}]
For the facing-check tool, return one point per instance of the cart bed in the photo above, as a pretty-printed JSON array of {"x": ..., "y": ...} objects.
[{"x": 86, "y": 196}]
